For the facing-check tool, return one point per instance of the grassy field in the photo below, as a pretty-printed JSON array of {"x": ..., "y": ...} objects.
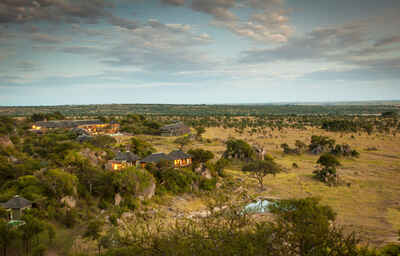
[{"x": 368, "y": 203}]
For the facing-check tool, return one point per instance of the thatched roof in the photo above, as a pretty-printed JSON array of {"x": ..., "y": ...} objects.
[
  {"x": 178, "y": 154},
  {"x": 17, "y": 202},
  {"x": 66, "y": 123},
  {"x": 174, "y": 126},
  {"x": 126, "y": 156},
  {"x": 155, "y": 158}
]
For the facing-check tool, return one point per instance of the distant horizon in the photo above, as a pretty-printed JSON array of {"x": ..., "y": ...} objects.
[{"x": 351, "y": 102}]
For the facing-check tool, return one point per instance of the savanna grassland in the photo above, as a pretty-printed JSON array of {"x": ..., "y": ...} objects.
[
  {"x": 368, "y": 203},
  {"x": 82, "y": 207}
]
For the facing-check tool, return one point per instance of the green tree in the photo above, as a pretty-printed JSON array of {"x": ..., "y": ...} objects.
[
  {"x": 239, "y": 149},
  {"x": 8, "y": 234},
  {"x": 140, "y": 147},
  {"x": 182, "y": 141},
  {"x": 261, "y": 168},
  {"x": 304, "y": 227},
  {"x": 30, "y": 232},
  {"x": 327, "y": 172},
  {"x": 93, "y": 232},
  {"x": 328, "y": 160},
  {"x": 58, "y": 183},
  {"x": 200, "y": 156},
  {"x": 200, "y": 130}
]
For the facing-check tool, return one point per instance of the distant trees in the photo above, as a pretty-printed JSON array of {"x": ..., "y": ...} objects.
[
  {"x": 102, "y": 141},
  {"x": 138, "y": 124},
  {"x": 200, "y": 130},
  {"x": 140, "y": 147},
  {"x": 239, "y": 149},
  {"x": 182, "y": 141},
  {"x": 321, "y": 144},
  {"x": 261, "y": 168},
  {"x": 300, "y": 148},
  {"x": 389, "y": 114},
  {"x": 47, "y": 116}
]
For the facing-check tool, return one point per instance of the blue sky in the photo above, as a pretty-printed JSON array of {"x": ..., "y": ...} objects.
[{"x": 198, "y": 51}]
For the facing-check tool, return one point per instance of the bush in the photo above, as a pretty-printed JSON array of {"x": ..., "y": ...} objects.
[
  {"x": 175, "y": 181},
  {"x": 208, "y": 184}
]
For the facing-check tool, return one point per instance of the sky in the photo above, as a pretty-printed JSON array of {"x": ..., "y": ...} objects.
[{"x": 61, "y": 52}]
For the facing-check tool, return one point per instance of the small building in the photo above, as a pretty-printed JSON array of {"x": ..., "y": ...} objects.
[
  {"x": 123, "y": 160},
  {"x": 180, "y": 158},
  {"x": 177, "y": 129},
  {"x": 16, "y": 206},
  {"x": 154, "y": 159}
]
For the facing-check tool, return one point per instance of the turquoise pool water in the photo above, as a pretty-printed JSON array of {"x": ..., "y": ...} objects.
[{"x": 260, "y": 206}]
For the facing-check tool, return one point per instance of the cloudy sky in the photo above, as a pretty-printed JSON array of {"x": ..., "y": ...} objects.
[{"x": 198, "y": 51}]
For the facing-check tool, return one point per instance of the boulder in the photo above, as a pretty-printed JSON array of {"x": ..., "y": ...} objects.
[
  {"x": 6, "y": 142},
  {"x": 94, "y": 158},
  {"x": 117, "y": 199},
  {"x": 203, "y": 171},
  {"x": 148, "y": 192},
  {"x": 69, "y": 201}
]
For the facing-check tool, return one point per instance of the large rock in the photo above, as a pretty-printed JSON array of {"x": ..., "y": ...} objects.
[
  {"x": 148, "y": 192},
  {"x": 69, "y": 201},
  {"x": 117, "y": 199},
  {"x": 6, "y": 142},
  {"x": 95, "y": 158},
  {"x": 203, "y": 171}
]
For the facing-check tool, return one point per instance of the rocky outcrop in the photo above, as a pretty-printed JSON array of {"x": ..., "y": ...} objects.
[
  {"x": 69, "y": 201},
  {"x": 203, "y": 171},
  {"x": 148, "y": 192},
  {"x": 6, "y": 142},
  {"x": 117, "y": 199},
  {"x": 95, "y": 158}
]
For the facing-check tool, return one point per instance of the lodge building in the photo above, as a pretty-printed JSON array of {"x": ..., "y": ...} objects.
[{"x": 177, "y": 129}]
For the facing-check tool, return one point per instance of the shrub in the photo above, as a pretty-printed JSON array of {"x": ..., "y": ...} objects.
[{"x": 208, "y": 184}]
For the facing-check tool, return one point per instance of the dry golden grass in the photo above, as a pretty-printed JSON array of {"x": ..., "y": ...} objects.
[{"x": 369, "y": 205}]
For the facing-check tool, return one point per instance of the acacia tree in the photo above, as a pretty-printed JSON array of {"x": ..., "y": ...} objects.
[
  {"x": 200, "y": 156},
  {"x": 261, "y": 168}
]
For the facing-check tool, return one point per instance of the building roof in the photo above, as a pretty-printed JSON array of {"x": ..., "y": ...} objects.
[
  {"x": 155, "y": 158},
  {"x": 67, "y": 123},
  {"x": 173, "y": 126},
  {"x": 83, "y": 138},
  {"x": 17, "y": 202},
  {"x": 178, "y": 154},
  {"x": 126, "y": 156}
]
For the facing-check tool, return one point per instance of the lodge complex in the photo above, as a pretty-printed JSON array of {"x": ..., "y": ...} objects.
[
  {"x": 178, "y": 158},
  {"x": 88, "y": 128},
  {"x": 91, "y": 127}
]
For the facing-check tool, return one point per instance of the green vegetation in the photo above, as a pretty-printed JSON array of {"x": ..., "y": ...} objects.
[
  {"x": 81, "y": 207},
  {"x": 261, "y": 168}
]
